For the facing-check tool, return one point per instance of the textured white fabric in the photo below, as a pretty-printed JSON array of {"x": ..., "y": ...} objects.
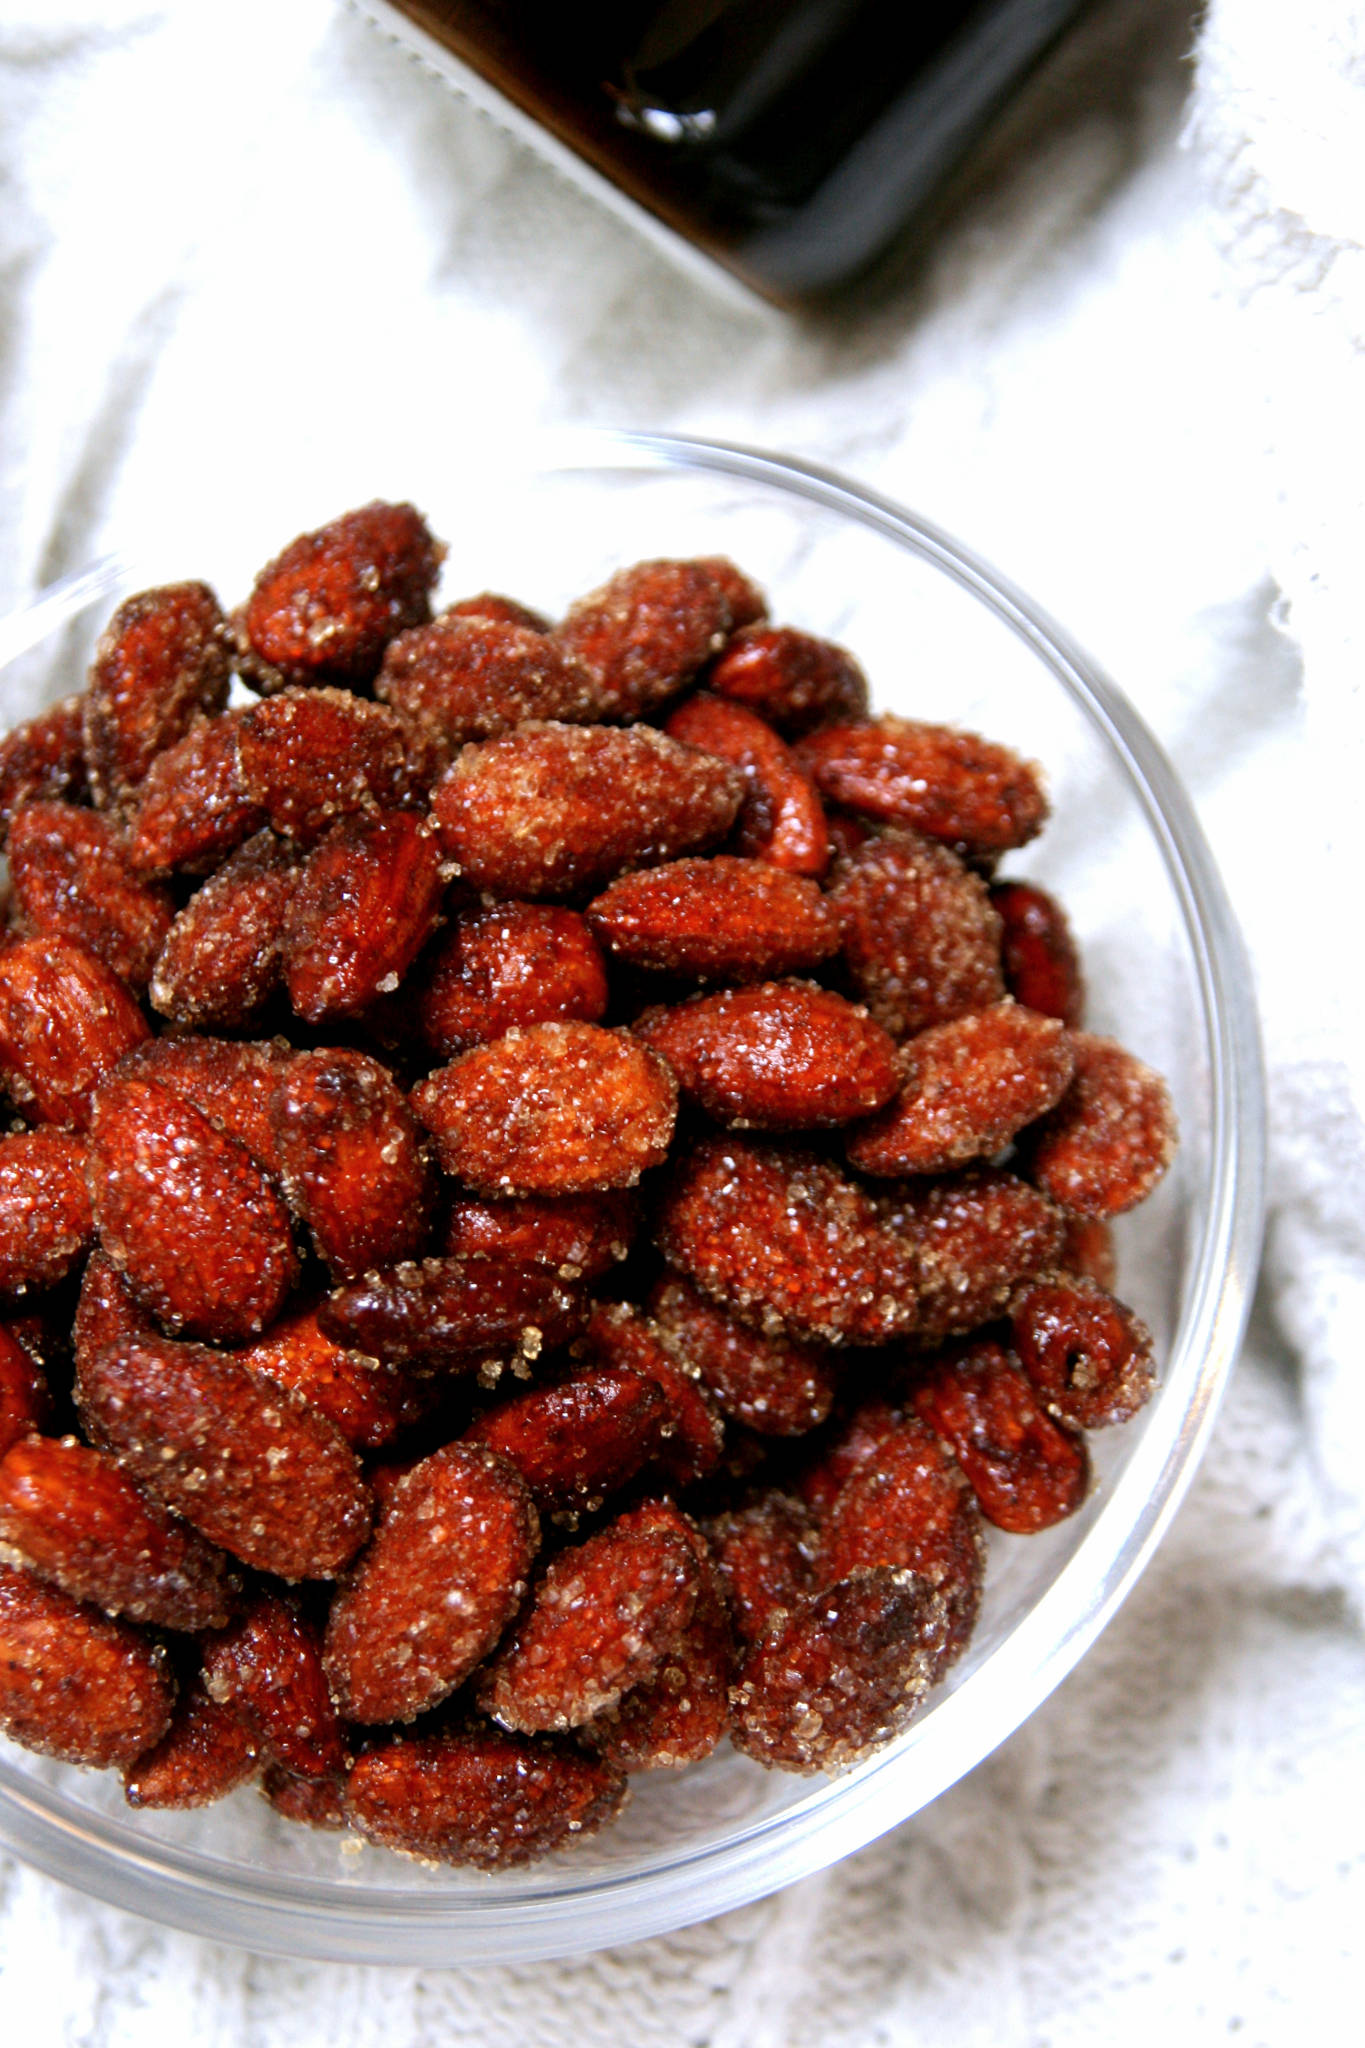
[
  {"x": 1279, "y": 119},
  {"x": 1131, "y": 376}
]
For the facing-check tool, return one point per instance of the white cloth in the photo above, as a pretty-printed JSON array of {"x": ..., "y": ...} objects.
[
  {"x": 1279, "y": 120},
  {"x": 1131, "y": 375}
]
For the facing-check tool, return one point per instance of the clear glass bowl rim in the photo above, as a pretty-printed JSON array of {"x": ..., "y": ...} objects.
[{"x": 297, "y": 1916}]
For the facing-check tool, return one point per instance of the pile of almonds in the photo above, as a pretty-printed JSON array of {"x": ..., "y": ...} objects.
[{"x": 552, "y": 1189}]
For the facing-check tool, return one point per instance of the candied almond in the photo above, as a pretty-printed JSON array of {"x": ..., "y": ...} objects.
[
  {"x": 920, "y": 939},
  {"x": 782, "y": 1240},
  {"x": 851, "y": 1442},
  {"x": 580, "y": 1236},
  {"x": 558, "y": 810},
  {"x": 792, "y": 679},
  {"x": 71, "y": 880},
  {"x": 221, "y": 959},
  {"x": 364, "y": 905},
  {"x": 479, "y": 1795},
  {"x": 908, "y": 1504},
  {"x": 950, "y": 785},
  {"x": 505, "y": 965},
  {"x": 841, "y": 1672},
  {"x": 186, "y": 1213},
  {"x": 66, "y": 1020},
  {"x": 266, "y": 1668},
  {"x": 726, "y": 918},
  {"x": 46, "y": 1224},
  {"x": 192, "y": 809},
  {"x": 603, "y": 1617},
  {"x": 969, "y": 1086},
  {"x": 369, "y": 1402},
  {"x": 978, "y": 1233},
  {"x": 1087, "y": 1356},
  {"x": 441, "y": 1578},
  {"x": 313, "y": 1802},
  {"x": 764, "y": 1552},
  {"x": 1038, "y": 953},
  {"x": 204, "y": 1754},
  {"x": 453, "y": 1314},
  {"x": 230, "y": 1080},
  {"x": 679, "y": 1715},
  {"x": 253, "y": 1467},
  {"x": 42, "y": 758},
  {"x": 1026, "y": 1470},
  {"x": 647, "y": 631},
  {"x": 694, "y": 1434},
  {"x": 471, "y": 677},
  {"x": 783, "y": 1056},
  {"x": 161, "y": 661},
  {"x": 492, "y": 604},
  {"x": 1111, "y": 1137},
  {"x": 326, "y": 608},
  {"x": 744, "y": 597},
  {"x": 352, "y": 1160},
  {"x": 781, "y": 820},
  {"x": 557, "y": 1109},
  {"x": 312, "y": 757},
  {"x": 580, "y": 1439},
  {"x": 767, "y": 1383},
  {"x": 75, "y": 1519},
  {"x": 76, "y": 1684}
]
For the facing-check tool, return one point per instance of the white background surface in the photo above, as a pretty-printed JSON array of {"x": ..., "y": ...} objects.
[{"x": 249, "y": 252}]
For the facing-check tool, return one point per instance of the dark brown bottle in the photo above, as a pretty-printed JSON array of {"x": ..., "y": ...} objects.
[{"x": 791, "y": 140}]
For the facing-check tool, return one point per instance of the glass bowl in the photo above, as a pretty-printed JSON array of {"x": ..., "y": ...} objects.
[{"x": 941, "y": 637}]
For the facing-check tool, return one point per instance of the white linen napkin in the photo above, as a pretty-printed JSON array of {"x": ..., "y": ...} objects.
[
  {"x": 250, "y": 251},
  {"x": 1279, "y": 123}
]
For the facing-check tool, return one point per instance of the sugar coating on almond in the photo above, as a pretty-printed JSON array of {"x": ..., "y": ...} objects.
[
  {"x": 557, "y": 810},
  {"x": 559, "y": 1109}
]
